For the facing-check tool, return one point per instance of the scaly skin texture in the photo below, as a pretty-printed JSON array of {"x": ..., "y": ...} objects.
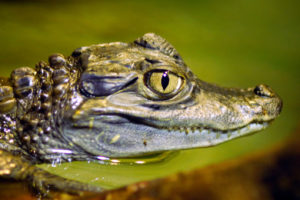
[{"x": 118, "y": 100}]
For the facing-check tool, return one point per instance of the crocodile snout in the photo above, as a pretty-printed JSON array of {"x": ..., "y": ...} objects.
[{"x": 270, "y": 102}]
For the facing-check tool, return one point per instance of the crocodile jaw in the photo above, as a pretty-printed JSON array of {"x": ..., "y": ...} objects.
[{"x": 119, "y": 137}]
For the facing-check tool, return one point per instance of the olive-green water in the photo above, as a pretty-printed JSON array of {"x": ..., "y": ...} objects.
[{"x": 235, "y": 43}]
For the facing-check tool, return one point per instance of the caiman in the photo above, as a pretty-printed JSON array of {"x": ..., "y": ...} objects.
[{"x": 117, "y": 100}]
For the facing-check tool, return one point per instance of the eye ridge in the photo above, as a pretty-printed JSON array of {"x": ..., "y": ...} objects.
[{"x": 165, "y": 80}]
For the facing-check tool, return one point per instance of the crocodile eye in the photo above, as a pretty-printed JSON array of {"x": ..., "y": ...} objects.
[{"x": 163, "y": 82}]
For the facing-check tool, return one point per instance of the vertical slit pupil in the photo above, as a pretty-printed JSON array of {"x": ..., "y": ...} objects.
[{"x": 165, "y": 80}]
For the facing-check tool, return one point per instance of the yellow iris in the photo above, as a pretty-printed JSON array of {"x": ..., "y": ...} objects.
[{"x": 164, "y": 82}]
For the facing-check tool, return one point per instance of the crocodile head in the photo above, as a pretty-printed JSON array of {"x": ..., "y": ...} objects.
[
  {"x": 124, "y": 100},
  {"x": 138, "y": 98}
]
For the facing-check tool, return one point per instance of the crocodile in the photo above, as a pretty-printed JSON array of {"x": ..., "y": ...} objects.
[{"x": 117, "y": 100}]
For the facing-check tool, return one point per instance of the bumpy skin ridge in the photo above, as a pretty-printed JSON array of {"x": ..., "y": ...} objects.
[{"x": 32, "y": 105}]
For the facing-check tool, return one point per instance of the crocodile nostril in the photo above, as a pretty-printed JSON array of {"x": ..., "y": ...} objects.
[{"x": 263, "y": 91}]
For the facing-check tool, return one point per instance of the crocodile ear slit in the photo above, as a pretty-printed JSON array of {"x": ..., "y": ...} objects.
[
  {"x": 156, "y": 42},
  {"x": 104, "y": 85}
]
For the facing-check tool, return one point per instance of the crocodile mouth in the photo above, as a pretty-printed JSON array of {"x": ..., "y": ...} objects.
[
  {"x": 120, "y": 136},
  {"x": 213, "y": 136},
  {"x": 214, "y": 133},
  {"x": 193, "y": 129}
]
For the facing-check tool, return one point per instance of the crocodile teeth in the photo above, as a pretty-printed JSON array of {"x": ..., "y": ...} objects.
[
  {"x": 193, "y": 129},
  {"x": 217, "y": 134},
  {"x": 186, "y": 130}
]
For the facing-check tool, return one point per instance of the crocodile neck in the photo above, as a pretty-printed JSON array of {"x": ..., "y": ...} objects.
[{"x": 33, "y": 124}]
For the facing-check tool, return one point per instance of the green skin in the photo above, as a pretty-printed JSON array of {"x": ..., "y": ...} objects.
[{"x": 117, "y": 100}]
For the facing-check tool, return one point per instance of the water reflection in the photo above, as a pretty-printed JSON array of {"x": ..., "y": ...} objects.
[{"x": 110, "y": 173}]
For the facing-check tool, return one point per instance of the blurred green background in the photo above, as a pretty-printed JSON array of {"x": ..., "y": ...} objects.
[{"x": 234, "y": 43}]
